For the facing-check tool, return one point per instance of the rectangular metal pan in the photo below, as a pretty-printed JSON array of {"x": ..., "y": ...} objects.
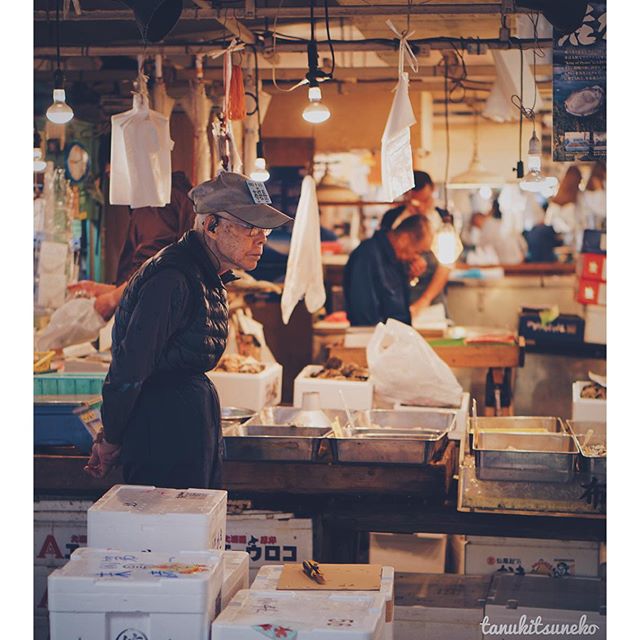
[{"x": 591, "y": 463}]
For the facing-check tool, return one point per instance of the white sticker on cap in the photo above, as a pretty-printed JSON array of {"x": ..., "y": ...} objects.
[{"x": 258, "y": 192}]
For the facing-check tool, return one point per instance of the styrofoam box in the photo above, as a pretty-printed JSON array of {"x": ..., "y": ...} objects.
[
  {"x": 553, "y": 602},
  {"x": 154, "y": 519},
  {"x": 588, "y": 409},
  {"x": 484, "y": 555},
  {"x": 595, "y": 324},
  {"x": 236, "y": 574},
  {"x": 270, "y": 537},
  {"x": 303, "y": 615},
  {"x": 446, "y": 607},
  {"x": 112, "y": 594},
  {"x": 462, "y": 414},
  {"x": 357, "y": 394},
  {"x": 267, "y": 580},
  {"x": 60, "y": 527},
  {"x": 249, "y": 390},
  {"x": 410, "y": 552}
]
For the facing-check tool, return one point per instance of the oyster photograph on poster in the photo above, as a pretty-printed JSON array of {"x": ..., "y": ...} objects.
[{"x": 580, "y": 89}]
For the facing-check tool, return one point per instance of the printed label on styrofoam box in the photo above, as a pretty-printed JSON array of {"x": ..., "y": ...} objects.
[{"x": 270, "y": 541}]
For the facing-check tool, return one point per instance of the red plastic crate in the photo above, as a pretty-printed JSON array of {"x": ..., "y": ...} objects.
[
  {"x": 593, "y": 266},
  {"x": 591, "y": 292}
]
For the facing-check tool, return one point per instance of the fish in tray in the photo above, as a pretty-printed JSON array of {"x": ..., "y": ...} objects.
[{"x": 335, "y": 369}]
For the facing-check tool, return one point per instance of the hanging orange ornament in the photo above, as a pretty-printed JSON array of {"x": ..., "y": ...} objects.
[{"x": 237, "y": 108}]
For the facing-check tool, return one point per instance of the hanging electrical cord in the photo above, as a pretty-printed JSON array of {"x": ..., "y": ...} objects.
[
  {"x": 326, "y": 22},
  {"x": 447, "y": 136}
]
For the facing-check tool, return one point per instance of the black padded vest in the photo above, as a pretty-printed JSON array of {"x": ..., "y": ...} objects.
[{"x": 198, "y": 345}]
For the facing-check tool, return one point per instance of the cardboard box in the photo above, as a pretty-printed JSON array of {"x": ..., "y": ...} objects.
[
  {"x": 412, "y": 552},
  {"x": 249, "y": 390},
  {"x": 555, "y": 602},
  {"x": 270, "y": 537},
  {"x": 445, "y": 607},
  {"x": 587, "y": 409},
  {"x": 595, "y": 324},
  {"x": 485, "y": 555},
  {"x": 155, "y": 519},
  {"x": 305, "y": 615},
  {"x": 592, "y": 266},
  {"x": 102, "y": 593},
  {"x": 591, "y": 292},
  {"x": 462, "y": 415},
  {"x": 357, "y": 394},
  {"x": 60, "y": 527},
  {"x": 566, "y": 329}
]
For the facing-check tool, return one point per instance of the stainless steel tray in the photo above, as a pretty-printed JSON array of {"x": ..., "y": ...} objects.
[
  {"x": 517, "y": 424},
  {"x": 394, "y": 437},
  {"x": 525, "y": 457},
  {"x": 590, "y": 463},
  {"x": 270, "y": 436}
]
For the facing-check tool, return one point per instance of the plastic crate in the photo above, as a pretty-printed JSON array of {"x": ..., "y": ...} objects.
[{"x": 63, "y": 384}]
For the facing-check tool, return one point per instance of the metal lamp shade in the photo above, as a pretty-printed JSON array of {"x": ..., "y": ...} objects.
[{"x": 155, "y": 18}]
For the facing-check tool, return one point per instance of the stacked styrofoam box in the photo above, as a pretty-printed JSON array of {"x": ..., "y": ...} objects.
[
  {"x": 128, "y": 525},
  {"x": 462, "y": 415},
  {"x": 410, "y": 552},
  {"x": 60, "y": 526},
  {"x": 268, "y": 577},
  {"x": 270, "y": 538},
  {"x": 485, "y": 555},
  {"x": 592, "y": 293},
  {"x": 303, "y": 615},
  {"x": 446, "y": 607},
  {"x": 587, "y": 409},
  {"x": 236, "y": 574},
  {"x": 249, "y": 390},
  {"x": 115, "y": 594},
  {"x": 155, "y": 519},
  {"x": 358, "y": 394},
  {"x": 577, "y": 604}
]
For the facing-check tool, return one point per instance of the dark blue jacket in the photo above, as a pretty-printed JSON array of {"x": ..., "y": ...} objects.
[{"x": 375, "y": 284}]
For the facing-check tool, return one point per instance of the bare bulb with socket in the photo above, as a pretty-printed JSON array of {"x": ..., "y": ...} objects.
[
  {"x": 316, "y": 112},
  {"x": 59, "y": 112}
]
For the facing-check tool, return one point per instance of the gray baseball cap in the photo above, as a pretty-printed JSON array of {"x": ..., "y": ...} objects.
[{"x": 246, "y": 199}]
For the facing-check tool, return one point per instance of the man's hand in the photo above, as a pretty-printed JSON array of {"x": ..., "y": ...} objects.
[
  {"x": 104, "y": 457},
  {"x": 90, "y": 288},
  {"x": 106, "y": 304},
  {"x": 417, "y": 267}
]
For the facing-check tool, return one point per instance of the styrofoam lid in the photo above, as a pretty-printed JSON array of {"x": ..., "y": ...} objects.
[
  {"x": 359, "y": 616},
  {"x": 143, "y": 500},
  {"x": 269, "y": 575}
]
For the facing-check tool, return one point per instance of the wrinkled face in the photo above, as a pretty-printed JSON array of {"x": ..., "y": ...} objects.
[
  {"x": 236, "y": 247},
  {"x": 407, "y": 248},
  {"x": 422, "y": 200}
]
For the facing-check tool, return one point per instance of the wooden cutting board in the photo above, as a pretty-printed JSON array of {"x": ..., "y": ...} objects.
[{"x": 338, "y": 577}]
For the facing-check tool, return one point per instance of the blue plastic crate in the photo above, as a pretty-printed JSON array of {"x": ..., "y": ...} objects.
[{"x": 62, "y": 384}]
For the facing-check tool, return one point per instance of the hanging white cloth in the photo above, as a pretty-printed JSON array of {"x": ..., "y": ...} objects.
[
  {"x": 162, "y": 102},
  {"x": 140, "y": 157},
  {"x": 198, "y": 107},
  {"x": 397, "y": 160},
  {"x": 304, "y": 266}
]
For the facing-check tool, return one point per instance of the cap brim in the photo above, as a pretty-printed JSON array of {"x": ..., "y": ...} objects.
[{"x": 259, "y": 215}]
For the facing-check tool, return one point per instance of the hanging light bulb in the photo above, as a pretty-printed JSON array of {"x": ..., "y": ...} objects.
[
  {"x": 316, "y": 112},
  {"x": 446, "y": 245},
  {"x": 59, "y": 112},
  {"x": 260, "y": 173},
  {"x": 535, "y": 181},
  {"x": 39, "y": 165}
]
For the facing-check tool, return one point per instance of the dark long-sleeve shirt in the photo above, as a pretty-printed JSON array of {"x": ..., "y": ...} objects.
[
  {"x": 160, "y": 311},
  {"x": 152, "y": 228},
  {"x": 375, "y": 282}
]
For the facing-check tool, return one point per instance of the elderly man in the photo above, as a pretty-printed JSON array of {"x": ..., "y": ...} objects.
[
  {"x": 160, "y": 412},
  {"x": 376, "y": 286}
]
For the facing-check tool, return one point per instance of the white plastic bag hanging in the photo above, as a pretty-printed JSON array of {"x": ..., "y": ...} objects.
[
  {"x": 140, "y": 155},
  {"x": 397, "y": 160},
  {"x": 304, "y": 266},
  {"x": 76, "y": 321},
  {"x": 404, "y": 368}
]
